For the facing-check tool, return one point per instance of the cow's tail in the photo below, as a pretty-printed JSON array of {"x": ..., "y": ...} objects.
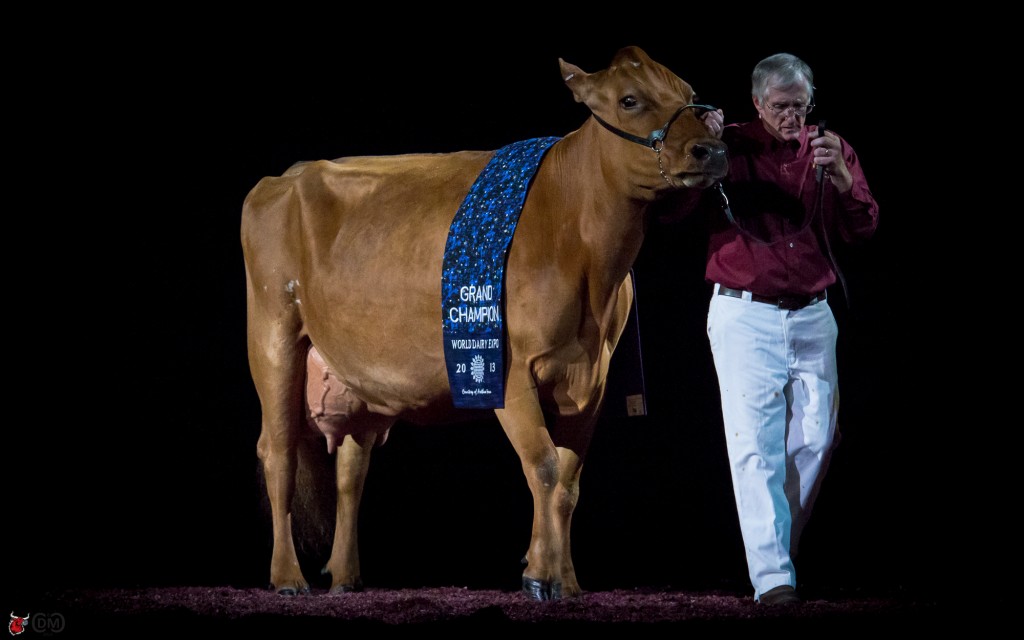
[
  {"x": 313, "y": 506},
  {"x": 316, "y": 497}
]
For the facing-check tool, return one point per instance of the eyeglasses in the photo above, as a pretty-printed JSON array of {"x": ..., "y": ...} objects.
[{"x": 784, "y": 110}]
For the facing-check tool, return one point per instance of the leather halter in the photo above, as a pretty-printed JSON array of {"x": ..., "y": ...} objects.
[{"x": 655, "y": 139}]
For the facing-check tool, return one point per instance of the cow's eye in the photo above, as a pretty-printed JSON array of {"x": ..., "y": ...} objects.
[{"x": 629, "y": 102}]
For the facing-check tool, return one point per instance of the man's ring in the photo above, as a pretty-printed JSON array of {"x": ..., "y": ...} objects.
[{"x": 826, "y": 152}]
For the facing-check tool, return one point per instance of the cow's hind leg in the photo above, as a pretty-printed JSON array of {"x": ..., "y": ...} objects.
[
  {"x": 277, "y": 354},
  {"x": 353, "y": 462},
  {"x": 279, "y": 375},
  {"x": 353, "y": 431}
]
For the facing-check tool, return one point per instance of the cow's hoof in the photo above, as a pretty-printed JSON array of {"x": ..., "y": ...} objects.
[
  {"x": 292, "y": 591},
  {"x": 355, "y": 587},
  {"x": 540, "y": 590}
]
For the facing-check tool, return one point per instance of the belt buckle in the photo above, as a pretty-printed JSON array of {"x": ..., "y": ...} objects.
[{"x": 791, "y": 303}]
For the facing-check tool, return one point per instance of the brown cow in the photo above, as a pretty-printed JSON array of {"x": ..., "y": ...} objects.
[{"x": 343, "y": 264}]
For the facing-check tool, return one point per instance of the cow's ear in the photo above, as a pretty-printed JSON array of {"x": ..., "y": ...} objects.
[{"x": 575, "y": 79}]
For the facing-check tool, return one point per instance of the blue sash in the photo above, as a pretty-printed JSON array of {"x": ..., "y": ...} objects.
[{"x": 473, "y": 274}]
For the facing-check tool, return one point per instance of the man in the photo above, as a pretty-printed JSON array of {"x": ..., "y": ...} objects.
[{"x": 792, "y": 192}]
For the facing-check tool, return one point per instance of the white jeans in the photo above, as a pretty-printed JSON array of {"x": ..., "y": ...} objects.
[{"x": 780, "y": 402}]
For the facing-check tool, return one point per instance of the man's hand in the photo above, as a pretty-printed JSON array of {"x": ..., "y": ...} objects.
[
  {"x": 714, "y": 121},
  {"x": 828, "y": 152}
]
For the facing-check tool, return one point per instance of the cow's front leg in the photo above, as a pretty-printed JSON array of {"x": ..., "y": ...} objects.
[
  {"x": 571, "y": 437},
  {"x": 523, "y": 422}
]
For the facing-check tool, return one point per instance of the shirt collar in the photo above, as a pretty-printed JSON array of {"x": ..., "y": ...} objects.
[{"x": 755, "y": 129}]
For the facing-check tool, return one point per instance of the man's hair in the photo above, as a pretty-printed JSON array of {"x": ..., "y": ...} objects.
[{"x": 782, "y": 70}]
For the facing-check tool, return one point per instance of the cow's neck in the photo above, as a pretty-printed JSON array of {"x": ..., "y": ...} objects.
[{"x": 608, "y": 198}]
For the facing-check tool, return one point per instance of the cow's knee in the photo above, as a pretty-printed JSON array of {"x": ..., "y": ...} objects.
[
  {"x": 542, "y": 472},
  {"x": 566, "y": 497}
]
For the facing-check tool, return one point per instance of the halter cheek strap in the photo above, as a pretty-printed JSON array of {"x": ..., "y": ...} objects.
[{"x": 655, "y": 139}]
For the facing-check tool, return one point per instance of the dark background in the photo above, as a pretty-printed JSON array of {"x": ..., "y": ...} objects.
[{"x": 130, "y": 454}]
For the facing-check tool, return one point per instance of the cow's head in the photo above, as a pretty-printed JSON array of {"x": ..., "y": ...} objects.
[{"x": 644, "y": 103}]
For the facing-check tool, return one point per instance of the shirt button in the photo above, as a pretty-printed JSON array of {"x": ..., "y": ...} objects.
[{"x": 790, "y": 245}]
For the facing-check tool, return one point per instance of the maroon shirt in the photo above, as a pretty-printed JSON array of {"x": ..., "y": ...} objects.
[{"x": 772, "y": 194}]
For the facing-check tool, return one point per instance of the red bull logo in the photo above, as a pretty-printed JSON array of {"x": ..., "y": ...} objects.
[{"x": 17, "y": 624}]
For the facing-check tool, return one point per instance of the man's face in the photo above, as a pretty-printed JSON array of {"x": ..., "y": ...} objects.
[{"x": 784, "y": 111}]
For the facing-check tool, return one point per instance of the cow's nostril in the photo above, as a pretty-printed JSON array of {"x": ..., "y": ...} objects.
[{"x": 704, "y": 153}]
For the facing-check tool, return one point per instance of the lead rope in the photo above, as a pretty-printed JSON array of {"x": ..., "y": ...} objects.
[
  {"x": 828, "y": 245},
  {"x": 818, "y": 212}
]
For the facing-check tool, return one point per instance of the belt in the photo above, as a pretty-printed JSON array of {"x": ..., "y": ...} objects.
[{"x": 790, "y": 303}]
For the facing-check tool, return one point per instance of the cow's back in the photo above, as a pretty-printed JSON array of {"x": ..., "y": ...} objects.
[
  {"x": 351, "y": 250},
  {"x": 364, "y": 203}
]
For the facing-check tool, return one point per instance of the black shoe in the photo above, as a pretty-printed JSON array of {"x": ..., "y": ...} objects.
[{"x": 780, "y": 595}]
